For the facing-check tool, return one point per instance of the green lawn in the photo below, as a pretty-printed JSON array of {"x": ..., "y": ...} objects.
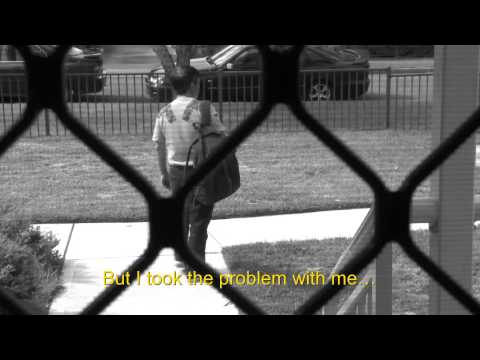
[
  {"x": 60, "y": 180},
  {"x": 410, "y": 283}
]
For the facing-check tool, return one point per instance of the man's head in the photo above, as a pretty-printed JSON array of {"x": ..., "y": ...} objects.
[{"x": 184, "y": 80}]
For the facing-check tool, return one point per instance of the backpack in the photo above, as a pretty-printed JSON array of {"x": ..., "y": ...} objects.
[{"x": 224, "y": 180}]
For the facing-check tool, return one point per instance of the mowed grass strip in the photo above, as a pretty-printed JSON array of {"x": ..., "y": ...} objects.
[
  {"x": 409, "y": 287},
  {"x": 60, "y": 180}
]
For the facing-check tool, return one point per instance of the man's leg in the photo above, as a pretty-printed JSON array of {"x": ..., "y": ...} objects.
[
  {"x": 176, "y": 175},
  {"x": 196, "y": 217},
  {"x": 200, "y": 217}
]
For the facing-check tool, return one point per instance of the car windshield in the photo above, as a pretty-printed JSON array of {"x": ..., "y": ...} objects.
[
  {"x": 228, "y": 53},
  {"x": 46, "y": 50},
  {"x": 326, "y": 50},
  {"x": 42, "y": 50}
]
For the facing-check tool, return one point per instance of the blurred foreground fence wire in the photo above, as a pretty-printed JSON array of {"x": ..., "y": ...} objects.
[{"x": 391, "y": 222}]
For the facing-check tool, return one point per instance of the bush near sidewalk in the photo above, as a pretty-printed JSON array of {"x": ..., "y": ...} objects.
[{"x": 29, "y": 266}]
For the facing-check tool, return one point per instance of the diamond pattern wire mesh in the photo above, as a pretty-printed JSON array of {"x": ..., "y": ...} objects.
[{"x": 45, "y": 83}]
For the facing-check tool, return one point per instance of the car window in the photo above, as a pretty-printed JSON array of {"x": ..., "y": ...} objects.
[
  {"x": 312, "y": 57},
  {"x": 9, "y": 53},
  {"x": 327, "y": 53},
  {"x": 249, "y": 59},
  {"x": 226, "y": 55},
  {"x": 306, "y": 58},
  {"x": 42, "y": 50},
  {"x": 3, "y": 52},
  {"x": 222, "y": 52}
]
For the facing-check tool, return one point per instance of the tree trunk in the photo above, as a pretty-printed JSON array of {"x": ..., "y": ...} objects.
[
  {"x": 165, "y": 58},
  {"x": 184, "y": 54}
]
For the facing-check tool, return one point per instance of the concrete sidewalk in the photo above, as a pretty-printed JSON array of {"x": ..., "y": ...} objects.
[{"x": 91, "y": 249}]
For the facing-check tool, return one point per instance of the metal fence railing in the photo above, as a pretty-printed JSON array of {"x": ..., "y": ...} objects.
[
  {"x": 361, "y": 300},
  {"x": 373, "y": 99}
]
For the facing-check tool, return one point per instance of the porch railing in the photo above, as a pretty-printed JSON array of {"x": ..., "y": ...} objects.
[{"x": 363, "y": 299}]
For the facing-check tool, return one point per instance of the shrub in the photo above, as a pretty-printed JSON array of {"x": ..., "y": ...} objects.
[{"x": 29, "y": 266}]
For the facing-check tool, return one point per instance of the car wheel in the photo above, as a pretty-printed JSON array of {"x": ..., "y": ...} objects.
[{"x": 319, "y": 92}]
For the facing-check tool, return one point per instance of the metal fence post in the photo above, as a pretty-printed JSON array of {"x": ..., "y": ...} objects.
[
  {"x": 220, "y": 95},
  {"x": 47, "y": 123},
  {"x": 389, "y": 89}
]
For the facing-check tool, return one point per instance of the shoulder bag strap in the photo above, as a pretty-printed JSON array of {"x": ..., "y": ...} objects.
[{"x": 206, "y": 120}]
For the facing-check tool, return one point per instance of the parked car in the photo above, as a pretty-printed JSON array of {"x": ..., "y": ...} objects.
[
  {"x": 84, "y": 70},
  {"x": 328, "y": 72}
]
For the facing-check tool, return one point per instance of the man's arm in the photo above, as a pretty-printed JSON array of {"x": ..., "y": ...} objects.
[
  {"x": 217, "y": 124},
  {"x": 161, "y": 149},
  {"x": 162, "y": 160}
]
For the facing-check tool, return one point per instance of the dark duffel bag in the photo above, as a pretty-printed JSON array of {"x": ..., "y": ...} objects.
[{"x": 224, "y": 180}]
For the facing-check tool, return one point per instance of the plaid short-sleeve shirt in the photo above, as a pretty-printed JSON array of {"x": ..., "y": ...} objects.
[{"x": 175, "y": 122}]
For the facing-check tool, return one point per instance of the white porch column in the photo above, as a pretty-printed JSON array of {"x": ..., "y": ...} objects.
[{"x": 455, "y": 98}]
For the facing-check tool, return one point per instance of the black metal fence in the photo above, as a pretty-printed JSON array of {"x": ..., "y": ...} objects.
[{"x": 375, "y": 99}]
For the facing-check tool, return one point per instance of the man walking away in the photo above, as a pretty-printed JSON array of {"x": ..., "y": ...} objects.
[{"x": 174, "y": 133}]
